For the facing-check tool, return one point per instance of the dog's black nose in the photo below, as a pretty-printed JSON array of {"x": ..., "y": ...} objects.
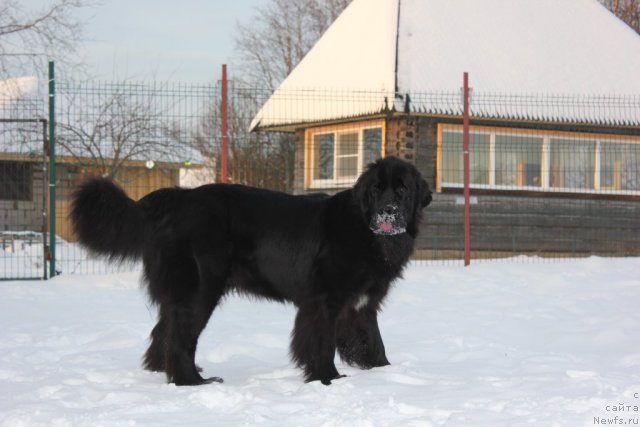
[{"x": 389, "y": 209}]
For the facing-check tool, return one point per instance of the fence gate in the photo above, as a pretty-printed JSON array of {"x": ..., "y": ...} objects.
[{"x": 23, "y": 196}]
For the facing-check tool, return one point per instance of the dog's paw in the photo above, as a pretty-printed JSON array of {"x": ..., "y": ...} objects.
[
  {"x": 327, "y": 381},
  {"x": 212, "y": 380}
]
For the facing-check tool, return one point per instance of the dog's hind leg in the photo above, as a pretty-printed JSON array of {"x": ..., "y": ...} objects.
[
  {"x": 155, "y": 354},
  {"x": 186, "y": 322},
  {"x": 358, "y": 338},
  {"x": 188, "y": 296},
  {"x": 154, "y": 357}
]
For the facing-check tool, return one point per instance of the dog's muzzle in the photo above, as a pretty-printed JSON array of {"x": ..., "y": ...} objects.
[{"x": 388, "y": 221}]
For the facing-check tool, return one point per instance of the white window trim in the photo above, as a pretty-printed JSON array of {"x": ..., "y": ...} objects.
[
  {"x": 345, "y": 181},
  {"x": 545, "y": 163},
  {"x": 598, "y": 167}
]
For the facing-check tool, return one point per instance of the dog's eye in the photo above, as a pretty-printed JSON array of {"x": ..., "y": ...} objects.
[{"x": 401, "y": 189}]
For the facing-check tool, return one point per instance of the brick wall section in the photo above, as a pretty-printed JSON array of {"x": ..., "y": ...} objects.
[
  {"x": 22, "y": 215},
  {"x": 395, "y": 138},
  {"x": 426, "y": 145},
  {"x": 414, "y": 140}
]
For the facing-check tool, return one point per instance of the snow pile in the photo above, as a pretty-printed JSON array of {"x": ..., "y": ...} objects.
[
  {"x": 500, "y": 343},
  {"x": 16, "y": 88}
]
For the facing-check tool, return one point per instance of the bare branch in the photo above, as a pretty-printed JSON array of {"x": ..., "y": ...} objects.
[
  {"x": 104, "y": 127},
  {"x": 279, "y": 36},
  {"x": 29, "y": 38}
]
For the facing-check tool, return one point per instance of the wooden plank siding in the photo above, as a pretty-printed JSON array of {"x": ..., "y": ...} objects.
[
  {"x": 137, "y": 181},
  {"x": 515, "y": 225}
]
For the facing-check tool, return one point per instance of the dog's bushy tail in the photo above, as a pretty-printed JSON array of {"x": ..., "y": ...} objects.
[{"x": 107, "y": 221}]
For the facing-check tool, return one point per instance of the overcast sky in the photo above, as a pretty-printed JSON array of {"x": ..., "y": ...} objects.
[{"x": 179, "y": 40}]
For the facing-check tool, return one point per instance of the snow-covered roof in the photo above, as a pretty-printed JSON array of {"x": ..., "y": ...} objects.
[
  {"x": 574, "y": 51},
  {"x": 16, "y": 88}
]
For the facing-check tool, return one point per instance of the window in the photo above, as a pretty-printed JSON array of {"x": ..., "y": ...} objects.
[
  {"x": 518, "y": 161},
  {"x": 347, "y": 155},
  {"x": 619, "y": 167},
  {"x": 453, "y": 167},
  {"x": 323, "y": 145},
  {"x": 572, "y": 164},
  {"x": 372, "y": 145},
  {"x": 525, "y": 160},
  {"x": 337, "y": 156},
  {"x": 15, "y": 180}
]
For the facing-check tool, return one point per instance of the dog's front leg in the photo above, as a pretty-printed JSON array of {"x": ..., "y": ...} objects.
[
  {"x": 313, "y": 343},
  {"x": 358, "y": 338}
]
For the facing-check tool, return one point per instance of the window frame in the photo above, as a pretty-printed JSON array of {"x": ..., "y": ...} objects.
[
  {"x": 339, "y": 181},
  {"x": 545, "y": 166}
]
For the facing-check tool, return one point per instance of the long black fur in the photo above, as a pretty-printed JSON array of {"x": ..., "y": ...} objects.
[{"x": 334, "y": 257}]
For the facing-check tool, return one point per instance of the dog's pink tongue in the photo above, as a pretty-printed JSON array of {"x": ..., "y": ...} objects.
[{"x": 386, "y": 227}]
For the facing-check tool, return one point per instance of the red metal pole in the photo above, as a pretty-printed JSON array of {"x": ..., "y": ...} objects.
[
  {"x": 225, "y": 126},
  {"x": 465, "y": 151}
]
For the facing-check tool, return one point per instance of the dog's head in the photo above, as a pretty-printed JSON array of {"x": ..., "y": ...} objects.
[{"x": 392, "y": 194}]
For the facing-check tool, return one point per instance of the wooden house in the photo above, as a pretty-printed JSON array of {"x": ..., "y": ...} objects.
[
  {"x": 555, "y": 117},
  {"x": 24, "y": 183}
]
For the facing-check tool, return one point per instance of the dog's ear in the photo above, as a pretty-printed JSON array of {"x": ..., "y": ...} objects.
[
  {"x": 361, "y": 190},
  {"x": 424, "y": 193}
]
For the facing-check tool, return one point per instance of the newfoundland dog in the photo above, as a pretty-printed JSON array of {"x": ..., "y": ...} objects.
[{"x": 334, "y": 257}]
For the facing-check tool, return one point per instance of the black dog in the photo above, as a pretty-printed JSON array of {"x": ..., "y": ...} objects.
[{"x": 333, "y": 257}]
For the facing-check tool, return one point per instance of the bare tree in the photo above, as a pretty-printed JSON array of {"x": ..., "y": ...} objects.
[
  {"x": 260, "y": 160},
  {"x": 118, "y": 124},
  {"x": 626, "y": 10},
  {"x": 29, "y": 37},
  {"x": 279, "y": 35}
]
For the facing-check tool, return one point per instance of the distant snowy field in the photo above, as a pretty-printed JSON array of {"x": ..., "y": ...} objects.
[{"x": 498, "y": 344}]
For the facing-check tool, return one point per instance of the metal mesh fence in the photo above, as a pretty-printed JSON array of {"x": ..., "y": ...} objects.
[
  {"x": 144, "y": 135},
  {"x": 550, "y": 176},
  {"x": 22, "y": 184}
]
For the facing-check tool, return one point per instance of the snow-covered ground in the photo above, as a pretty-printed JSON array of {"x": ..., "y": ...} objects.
[
  {"x": 498, "y": 344},
  {"x": 22, "y": 257}
]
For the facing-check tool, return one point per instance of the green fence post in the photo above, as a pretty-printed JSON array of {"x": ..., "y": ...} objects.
[{"x": 52, "y": 171}]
